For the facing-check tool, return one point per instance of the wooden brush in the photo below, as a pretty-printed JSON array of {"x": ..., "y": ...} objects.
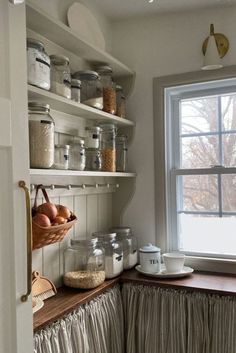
[{"x": 42, "y": 287}]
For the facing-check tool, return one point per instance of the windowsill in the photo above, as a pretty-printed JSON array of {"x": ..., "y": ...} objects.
[{"x": 219, "y": 265}]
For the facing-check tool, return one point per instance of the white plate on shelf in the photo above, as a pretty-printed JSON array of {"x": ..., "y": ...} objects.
[
  {"x": 186, "y": 271},
  {"x": 38, "y": 306},
  {"x": 83, "y": 22}
]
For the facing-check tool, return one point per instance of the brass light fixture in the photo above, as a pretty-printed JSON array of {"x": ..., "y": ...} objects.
[{"x": 214, "y": 49}]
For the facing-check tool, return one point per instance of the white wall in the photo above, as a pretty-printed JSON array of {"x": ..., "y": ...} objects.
[{"x": 158, "y": 46}]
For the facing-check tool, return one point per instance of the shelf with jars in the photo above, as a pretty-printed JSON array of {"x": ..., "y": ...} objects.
[{"x": 77, "y": 173}]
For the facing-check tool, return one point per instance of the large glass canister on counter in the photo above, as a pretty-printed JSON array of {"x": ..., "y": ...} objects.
[
  {"x": 91, "y": 88},
  {"x": 129, "y": 244},
  {"x": 77, "y": 157},
  {"x": 113, "y": 253},
  {"x": 109, "y": 89},
  {"x": 84, "y": 264},
  {"x": 108, "y": 147},
  {"x": 121, "y": 153},
  {"x": 41, "y": 135},
  {"x": 60, "y": 76}
]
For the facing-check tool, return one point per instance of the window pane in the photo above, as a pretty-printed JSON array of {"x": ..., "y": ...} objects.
[
  {"x": 198, "y": 193},
  {"x": 228, "y": 183},
  {"x": 228, "y": 109},
  {"x": 229, "y": 150},
  {"x": 199, "y": 115},
  {"x": 207, "y": 234},
  {"x": 199, "y": 152}
]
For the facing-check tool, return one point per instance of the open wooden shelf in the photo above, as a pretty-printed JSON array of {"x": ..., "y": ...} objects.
[{"x": 55, "y": 172}]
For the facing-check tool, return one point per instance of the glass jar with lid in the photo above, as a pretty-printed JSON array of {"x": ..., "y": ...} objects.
[
  {"x": 120, "y": 102},
  {"x": 108, "y": 147},
  {"x": 113, "y": 253},
  {"x": 109, "y": 89},
  {"x": 84, "y": 264},
  {"x": 93, "y": 159},
  {"x": 38, "y": 64},
  {"x": 121, "y": 153},
  {"x": 41, "y": 135},
  {"x": 91, "y": 89},
  {"x": 75, "y": 90},
  {"x": 93, "y": 134},
  {"x": 61, "y": 157},
  {"x": 60, "y": 76},
  {"x": 77, "y": 158},
  {"x": 129, "y": 244}
]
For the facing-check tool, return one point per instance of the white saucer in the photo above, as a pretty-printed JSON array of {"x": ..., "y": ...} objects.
[
  {"x": 38, "y": 306},
  {"x": 186, "y": 271}
]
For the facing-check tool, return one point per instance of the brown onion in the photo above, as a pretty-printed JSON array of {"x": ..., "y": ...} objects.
[
  {"x": 42, "y": 220},
  {"x": 49, "y": 209}
]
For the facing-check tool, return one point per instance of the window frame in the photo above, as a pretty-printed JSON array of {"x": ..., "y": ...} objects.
[{"x": 163, "y": 157}]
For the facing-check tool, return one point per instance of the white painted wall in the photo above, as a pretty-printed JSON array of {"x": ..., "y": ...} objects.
[{"x": 158, "y": 46}]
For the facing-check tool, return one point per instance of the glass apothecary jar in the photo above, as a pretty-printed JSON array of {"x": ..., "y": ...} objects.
[
  {"x": 91, "y": 88},
  {"x": 38, "y": 64},
  {"x": 84, "y": 264},
  {"x": 41, "y": 135},
  {"x": 93, "y": 134},
  {"x": 108, "y": 147},
  {"x": 113, "y": 253},
  {"x": 61, "y": 157},
  {"x": 120, "y": 102},
  {"x": 109, "y": 89},
  {"x": 60, "y": 76},
  {"x": 75, "y": 90},
  {"x": 130, "y": 245},
  {"x": 121, "y": 153},
  {"x": 77, "y": 158},
  {"x": 93, "y": 159}
]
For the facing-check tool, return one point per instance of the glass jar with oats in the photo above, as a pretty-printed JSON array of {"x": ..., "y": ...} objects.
[
  {"x": 109, "y": 89},
  {"x": 108, "y": 147}
]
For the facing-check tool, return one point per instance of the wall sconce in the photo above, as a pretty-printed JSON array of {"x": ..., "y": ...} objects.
[{"x": 214, "y": 48}]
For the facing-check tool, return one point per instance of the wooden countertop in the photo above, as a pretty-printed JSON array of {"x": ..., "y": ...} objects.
[{"x": 67, "y": 299}]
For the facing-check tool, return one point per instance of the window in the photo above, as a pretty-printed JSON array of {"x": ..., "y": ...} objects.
[{"x": 201, "y": 168}]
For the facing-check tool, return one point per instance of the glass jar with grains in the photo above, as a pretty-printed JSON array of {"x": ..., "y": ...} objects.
[
  {"x": 91, "y": 89},
  {"x": 84, "y": 264},
  {"x": 38, "y": 64},
  {"x": 60, "y": 76},
  {"x": 41, "y": 135},
  {"x": 109, "y": 89},
  {"x": 108, "y": 147},
  {"x": 113, "y": 253}
]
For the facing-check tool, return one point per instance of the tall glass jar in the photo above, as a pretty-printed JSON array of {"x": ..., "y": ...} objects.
[
  {"x": 38, "y": 64},
  {"x": 84, "y": 264},
  {"x": 113, "y": 253},
  {"x": 60, "y": 76},
  {"x": 93, "y": 136},
  {"x": 75, "y": 90},
  {"x": 120, "y": 102},
  {"x": 77, "y": 158},
  {"x": 129, "y": 244},
  {"x": 93, "y": 159},
  {"x": 41, "y": 135},
  {"x": 109, "y": 89},
  {"x": 108, "y": 147},
  {"x": 121, "y": 153},
  {"x": 61, "y": 157},
  {"x": 91, "y": 89}
]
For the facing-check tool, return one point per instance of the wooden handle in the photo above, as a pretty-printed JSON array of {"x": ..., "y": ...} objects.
[{"x": 22, "y": 185}]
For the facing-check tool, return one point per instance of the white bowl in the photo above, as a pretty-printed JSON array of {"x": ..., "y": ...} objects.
[{"x": 174, "y": 262}]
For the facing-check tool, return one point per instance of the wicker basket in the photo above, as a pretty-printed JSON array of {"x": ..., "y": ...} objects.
[{"x": 43, "y": 236}]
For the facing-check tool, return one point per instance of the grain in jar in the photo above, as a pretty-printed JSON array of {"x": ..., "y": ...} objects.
[
  {"x": 109, "y": 89},
  {"x": 60, "y": 76},
  {"x": 108, "y": 147}
]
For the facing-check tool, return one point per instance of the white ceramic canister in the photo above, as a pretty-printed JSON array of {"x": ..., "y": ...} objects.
[{"x": 150, "y": 258}]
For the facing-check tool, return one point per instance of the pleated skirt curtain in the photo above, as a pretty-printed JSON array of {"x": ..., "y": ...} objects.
[
  {"x": 96, "y": 327},
  {"x": 169, "y": 321}
]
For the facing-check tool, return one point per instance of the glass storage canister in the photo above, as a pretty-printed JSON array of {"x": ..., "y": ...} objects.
[
  {"x": 77, "y": 158},
  {"x": 84, "y": 264},
  {"x": 61, "y": 156},
  {"x": 113, "y": 253},
  {"x": 41, "y": 135},
  {"x": 75, "y": 90},
  {"x": 109, "y": 89},
  {"x": 108, "y": 147},
  {"x": 38, "y": 64},
  {"x": 121, "y": 153},
  {"x": 129, "y": 244},
  {"x": 60, "y": 76},
  {"x": 91, "y": 89},
  {"x": 120, "y": 102},
  {"x": 93, "y": 134},
  {"x": 93, "y": 159}
]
